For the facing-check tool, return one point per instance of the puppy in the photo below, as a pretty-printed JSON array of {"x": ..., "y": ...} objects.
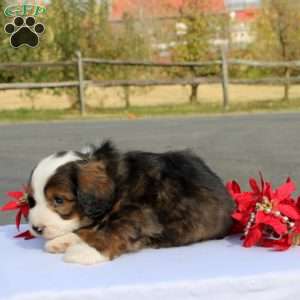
[{"x": 94, "y": 207}]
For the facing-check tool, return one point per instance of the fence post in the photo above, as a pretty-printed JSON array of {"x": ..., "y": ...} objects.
[
  {"x": 194, "y": 88},
  {"x": 81, "y": 83},
  {"x": 194, "y": 93},
  {"x": 287, "y": 84},
  {"x": 127, "y": 96},
  {"x": 225, "y": 76}
]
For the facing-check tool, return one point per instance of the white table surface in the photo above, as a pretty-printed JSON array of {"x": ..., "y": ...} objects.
[{"x": 220, "y": 269}]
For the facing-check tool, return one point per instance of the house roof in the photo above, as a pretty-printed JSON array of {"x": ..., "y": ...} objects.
[
  {"x": 246, "y": 15},
  {"x": 158, "y": 8}
]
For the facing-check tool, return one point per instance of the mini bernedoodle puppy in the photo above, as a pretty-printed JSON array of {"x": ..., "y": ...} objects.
[{"x": 95, "y": 206}]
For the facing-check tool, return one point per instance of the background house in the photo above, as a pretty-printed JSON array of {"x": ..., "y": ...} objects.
[
  {"x": 241, "y": 32},
  {"x": 161, "y": 8},
  {"x": 241, "y": 14}
]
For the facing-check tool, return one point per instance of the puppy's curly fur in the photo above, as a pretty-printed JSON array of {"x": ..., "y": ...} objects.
[{"x": 124, "y": 202}]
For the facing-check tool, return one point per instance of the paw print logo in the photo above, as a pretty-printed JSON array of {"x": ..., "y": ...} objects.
[{"x": 24, "y": 32}]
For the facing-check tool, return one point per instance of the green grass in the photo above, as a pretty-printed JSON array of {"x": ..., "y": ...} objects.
[
  {"x": 31, "y": 115},
  {"x": 140, "y": 112}
]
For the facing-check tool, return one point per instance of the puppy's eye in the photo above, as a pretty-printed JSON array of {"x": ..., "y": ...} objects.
[{"x": 58, "y": 200}]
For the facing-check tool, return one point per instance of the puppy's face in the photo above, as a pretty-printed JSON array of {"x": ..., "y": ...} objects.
[{"x": 66, "y": 193}]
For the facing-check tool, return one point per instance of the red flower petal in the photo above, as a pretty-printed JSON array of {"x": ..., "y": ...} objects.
[
  {"x": 260, "y": 217},
  {"x": 279, "y": 227},
  {"x": 245, "y": 202},
  {"x": 253, "y": 184},
  {"x": 274, "y": 222},
  {"x": 268, "y": 190},
  {"x": 25, "y": 210},
  {"x": 237, "y": 216},
  {"x": 253, "y": 237},
  {"x": 267, "y": 243},
  {"x": 17, "y": 204},
  {"x": 12, "y": 205},
  {"x": 284, "y": 244},
  {"x": 15, "y": 195},
  {"x": 26, "y": 235},
  {"x": 285, "y": 191},
  {"x": 278, "y": 245},
  {"x": 233, "y": 188},
  {"x": 237, "y": 228},
  {"x": 18, "y": 219},
  {"x": 281, "y": 200},
  {"x": 289, "y": 211}
]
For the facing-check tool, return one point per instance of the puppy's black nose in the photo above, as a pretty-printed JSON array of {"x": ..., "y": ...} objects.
[{"x": 38, "y": 230}]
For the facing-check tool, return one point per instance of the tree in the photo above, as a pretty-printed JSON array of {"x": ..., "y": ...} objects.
[
  {"x": 75, "y": 25},
  {"x": 278, "y": 29},
  {"x": 278, "y": 33},
  {"x": 203, "y": 27}
]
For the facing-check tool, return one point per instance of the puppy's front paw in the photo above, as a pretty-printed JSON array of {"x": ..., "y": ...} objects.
[
  {"x": 62, "y": 243},
  {"x": 84, "y": 254}
]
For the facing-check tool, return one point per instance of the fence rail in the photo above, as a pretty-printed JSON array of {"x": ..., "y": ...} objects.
[
  {"x": 38, "y": 85},
  {"x": 265, "y": 64},
  {"x": 151, "y": 64},
  {"x": 37, "y": 65},
  {"x": 249, "y": 63},
  {"x": 224, "y": 63}
]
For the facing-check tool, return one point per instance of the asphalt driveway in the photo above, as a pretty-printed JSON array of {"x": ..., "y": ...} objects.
[{"x": 234, "y": 146}]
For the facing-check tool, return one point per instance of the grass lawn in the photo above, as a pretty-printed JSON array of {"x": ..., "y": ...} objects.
[{"x": 134, "y": 112}]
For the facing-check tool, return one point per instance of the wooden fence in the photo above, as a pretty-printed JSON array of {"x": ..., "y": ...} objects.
[{"x": 223, "y": 78}]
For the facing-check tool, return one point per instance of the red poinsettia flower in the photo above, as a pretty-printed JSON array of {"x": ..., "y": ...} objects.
[
  {"x": 245, "y": 203},
  {"x": 19, "y": 203},
  {"x": 297, "y": 222},
  {"x": 253, "y": 237},
  {"x": 267, "y": 217}
]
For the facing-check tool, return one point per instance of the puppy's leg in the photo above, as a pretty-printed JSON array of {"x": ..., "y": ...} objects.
[
  {"x": 132, "y": 231},
  {"x": 84, "y": 254},
  {"x": 126, "y": 232},
  {"x": 61, "y": 243},
  {"x": 75, "y": 249}
]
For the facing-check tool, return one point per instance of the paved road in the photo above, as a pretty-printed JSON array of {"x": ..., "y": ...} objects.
[{"x": 234, "y": 146}]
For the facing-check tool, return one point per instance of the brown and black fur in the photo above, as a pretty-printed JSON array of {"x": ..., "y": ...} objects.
[{"x": 129, "y": 201}]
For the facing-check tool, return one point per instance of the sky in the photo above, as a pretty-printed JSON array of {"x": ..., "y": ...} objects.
[
  {"x": 241, "y": 1},
  {"x": 240, "y": 4}
]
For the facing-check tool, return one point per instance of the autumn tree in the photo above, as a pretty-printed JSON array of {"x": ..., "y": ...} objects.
[
  {"x": 203, "y": 28},
  {"x": 70, "y": 26},
  {"x": 278, "y": 33}
]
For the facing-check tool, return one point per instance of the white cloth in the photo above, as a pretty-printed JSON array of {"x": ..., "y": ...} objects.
[{"x": 210, "y": 270}]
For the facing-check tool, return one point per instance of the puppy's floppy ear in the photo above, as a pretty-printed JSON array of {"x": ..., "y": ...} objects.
[
  {"x": 109, "y": 155},
  {"x": 95, "y": 190}
]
